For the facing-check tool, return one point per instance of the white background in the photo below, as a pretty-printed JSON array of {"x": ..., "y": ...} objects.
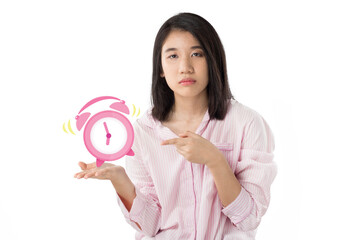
[{"x": 294, "y": 62}]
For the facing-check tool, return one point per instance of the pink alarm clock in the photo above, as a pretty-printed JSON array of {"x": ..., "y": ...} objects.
[{"x": 108, "y": 135}]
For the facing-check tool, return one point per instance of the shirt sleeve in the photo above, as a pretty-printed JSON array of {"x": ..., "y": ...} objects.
[
  {"x": 145, "y": 210},
  {"x": 255, "y": 171}
]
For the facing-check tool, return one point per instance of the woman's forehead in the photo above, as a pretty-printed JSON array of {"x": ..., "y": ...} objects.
[{"x": 180, "y": 39}]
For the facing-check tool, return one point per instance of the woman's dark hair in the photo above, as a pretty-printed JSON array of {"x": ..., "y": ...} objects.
[{"x": 218, "y": 89}]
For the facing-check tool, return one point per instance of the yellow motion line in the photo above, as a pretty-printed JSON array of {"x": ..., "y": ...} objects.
[
  {"x": 64, "y": 128},
  {"x": 133, "y": 110},
  {"x": 69, "y": 126}
]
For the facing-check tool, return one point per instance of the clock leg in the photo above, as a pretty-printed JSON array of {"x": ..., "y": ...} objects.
[{"x": 99, "y": 162}]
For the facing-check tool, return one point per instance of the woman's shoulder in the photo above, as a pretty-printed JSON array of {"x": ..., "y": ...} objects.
[
  {"x": 239, "y": 110},
  {"x": 146, "y": 120}
]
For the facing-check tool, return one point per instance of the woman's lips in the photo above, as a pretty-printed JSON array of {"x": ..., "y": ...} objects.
[{"x": 187, "y": 81}]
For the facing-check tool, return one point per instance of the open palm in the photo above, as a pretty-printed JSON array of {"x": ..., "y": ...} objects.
[{"x": 105, "y": 172}]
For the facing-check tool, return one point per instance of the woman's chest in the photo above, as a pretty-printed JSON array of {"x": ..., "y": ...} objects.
[{"x": 182, "y": 127}]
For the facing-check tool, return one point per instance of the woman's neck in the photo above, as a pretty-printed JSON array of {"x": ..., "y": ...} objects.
[{"x": 188, "y": 109}]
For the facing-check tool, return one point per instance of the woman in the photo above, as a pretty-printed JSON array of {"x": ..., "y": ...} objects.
[{"x": 203, "y": 162}]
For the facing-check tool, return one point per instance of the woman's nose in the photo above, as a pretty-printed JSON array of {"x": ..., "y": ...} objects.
[{"x": 186, "y": 66}]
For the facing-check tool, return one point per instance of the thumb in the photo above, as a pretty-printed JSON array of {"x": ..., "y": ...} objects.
[
  {"x": 82, "y": 165},
  {"x": 85, "y": 166}
]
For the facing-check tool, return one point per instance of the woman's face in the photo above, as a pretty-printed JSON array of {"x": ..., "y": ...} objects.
[{"x": 184, "y": 65}]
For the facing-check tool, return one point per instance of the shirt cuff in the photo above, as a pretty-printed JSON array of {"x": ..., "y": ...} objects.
[
  {"x": 136, "y": 208},
  {"x": 240, "y": 208}
]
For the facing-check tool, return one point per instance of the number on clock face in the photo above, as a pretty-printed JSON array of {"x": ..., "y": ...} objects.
[{"x": 108, "y": 135}]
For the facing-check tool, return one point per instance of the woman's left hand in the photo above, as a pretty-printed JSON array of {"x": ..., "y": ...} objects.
[{"x": 195, "y": 148}]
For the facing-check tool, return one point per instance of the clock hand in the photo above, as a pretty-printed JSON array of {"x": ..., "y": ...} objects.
[
  {"x": 108, "y": 135},
  {"x": 106, "y": 128}
]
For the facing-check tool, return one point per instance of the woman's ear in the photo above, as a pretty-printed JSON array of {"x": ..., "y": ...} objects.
[{"x": 162, "y": 75}]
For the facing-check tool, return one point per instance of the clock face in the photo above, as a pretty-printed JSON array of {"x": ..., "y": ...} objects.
[{"x": 108, "y": 135}]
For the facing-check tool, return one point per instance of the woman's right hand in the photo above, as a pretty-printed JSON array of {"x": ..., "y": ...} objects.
[{"x": 107, "y": 171}]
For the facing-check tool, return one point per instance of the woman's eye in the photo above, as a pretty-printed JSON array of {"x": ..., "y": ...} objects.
[
  {"x": 172, "y": 56},
  {"x": 197, "y": 54}
]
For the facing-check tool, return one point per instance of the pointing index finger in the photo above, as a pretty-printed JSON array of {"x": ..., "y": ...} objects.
[{"x": 169, "y": 141}]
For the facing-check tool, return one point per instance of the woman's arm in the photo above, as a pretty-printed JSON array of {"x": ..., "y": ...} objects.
[
  {"x": 255, "y": 172},
  {"x": 125, "y": 190},
  {"x": 244, "y": 192},
  {"x": 227, "y": 184}
]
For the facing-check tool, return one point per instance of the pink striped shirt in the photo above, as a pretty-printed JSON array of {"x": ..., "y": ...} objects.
[{"x": 177, "y": 199}]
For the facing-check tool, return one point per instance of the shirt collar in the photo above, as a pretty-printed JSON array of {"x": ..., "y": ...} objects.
[{"x": 166, "y": 133}]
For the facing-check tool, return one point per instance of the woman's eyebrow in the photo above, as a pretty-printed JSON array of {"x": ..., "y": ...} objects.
[
  {"x": 196, "y": 47},
  {"x": 170, "y": 49},
  {"x": 174, "y": 49}
]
